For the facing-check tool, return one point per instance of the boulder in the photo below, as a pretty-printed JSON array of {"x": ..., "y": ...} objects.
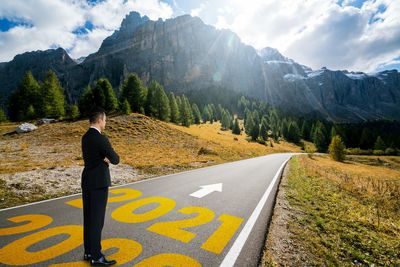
[{"x": 26, "y": 127}]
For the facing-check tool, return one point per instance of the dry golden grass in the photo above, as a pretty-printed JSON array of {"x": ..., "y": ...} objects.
[
  {"x": 345, "y": 214},
  {"x": 145, "y": 143},
  {"x": 362, "y": 171},
  {"x": 224, "y": 143}
]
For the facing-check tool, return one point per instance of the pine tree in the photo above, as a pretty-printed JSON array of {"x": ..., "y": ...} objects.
[
  {"x": 74, "y": 112},
  {"x": 174, "y": 108},
  {"x": 219, "y": 111},
  {"x": 3, "y": 116},
  {"x": 256, "y": 117},
  {"x": 379, "y": 144},
  {"x": 52, "y": 96},
  {"x": 104, "y": 95},
  {"x": 186, "y": 112},
  {"x": 205, "y": 114},
  {"x": 285, "y": 128},
  {"x": 319, "y": 137},
  {"x": 333, "y": 131},
  {"x": 305, "y": 130},
  {"x": 366, "y": 139},
  {"x": 236, "y": 127},
  {"x": 134, "y": 91},
  {"x": 225, "y": 121},
  {"x": 30, "y": 113},
  {"x": 126, "y": 107},
  {"x": 86, "y": 101},
  {"x": 229, "y": 119},
  {"x": 161, "y": 103},
  {"x": 264, "y": 128},
  {"x": 196, "y": 114},
  {"x": 336, "y": 149},
  {"x": 255, "y": 131},
  {"x": 248, "y": 123},
  {"x": 27, "y": 93},
  {"x": 213, "y": 112},
  {"x": 149, "y": 108},
  {"x": 293, "y": 132}
]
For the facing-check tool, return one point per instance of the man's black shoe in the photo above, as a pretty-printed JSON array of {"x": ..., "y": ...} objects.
[
  {"x": 102, "y": 262},
  {"x": 87, "y": 257}
]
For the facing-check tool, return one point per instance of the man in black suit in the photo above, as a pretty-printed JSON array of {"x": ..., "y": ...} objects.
[{"x": 97, "y": 154}]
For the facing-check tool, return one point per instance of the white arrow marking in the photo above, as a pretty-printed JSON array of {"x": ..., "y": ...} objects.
[{"x": 207, "y": 189}]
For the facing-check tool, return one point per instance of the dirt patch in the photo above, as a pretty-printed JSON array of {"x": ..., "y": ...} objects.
[{"x": 34, "y": 185}]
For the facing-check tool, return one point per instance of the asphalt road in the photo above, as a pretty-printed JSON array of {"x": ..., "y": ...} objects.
[{"x": 164, "y": 221}]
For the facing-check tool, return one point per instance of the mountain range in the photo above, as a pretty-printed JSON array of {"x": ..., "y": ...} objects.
[{"x": 183, "y": 53}]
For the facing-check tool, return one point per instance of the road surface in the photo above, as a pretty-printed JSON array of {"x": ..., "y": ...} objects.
[{"x": 212, "y": 216}]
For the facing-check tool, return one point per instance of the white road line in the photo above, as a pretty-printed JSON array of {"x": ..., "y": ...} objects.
[{"x": 237, "y": 246}]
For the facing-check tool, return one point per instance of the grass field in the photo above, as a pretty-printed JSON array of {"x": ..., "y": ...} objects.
[{"x": 342, "y": 214}]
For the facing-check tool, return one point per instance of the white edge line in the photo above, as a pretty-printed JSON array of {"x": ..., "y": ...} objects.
[
  {"x": 144, "y": 180},
  {"x": 237, "y": 246}
]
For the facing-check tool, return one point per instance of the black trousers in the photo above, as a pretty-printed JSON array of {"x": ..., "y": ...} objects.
[{"x": 94, "y": 209}]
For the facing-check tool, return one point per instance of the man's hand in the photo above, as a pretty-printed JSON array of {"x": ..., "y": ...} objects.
[{"x": 106, "y": 160}]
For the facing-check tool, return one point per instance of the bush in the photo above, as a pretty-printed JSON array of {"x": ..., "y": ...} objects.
[
  {"x": 310, "y": 150},
  {"x": 260, "y": 140},
  {"x": 206, "y": 151},
  {"x": 358, "y": 151},
  {"x": 378, "y": 152},
  {"x": 390, "y": 151},
  {"x": 336, "y": 149}
]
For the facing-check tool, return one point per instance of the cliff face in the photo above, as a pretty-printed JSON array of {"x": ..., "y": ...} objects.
[
  {"x": 39, "y": 62},
  {"x": 184, "y": 53},
  {"x": 337, "y": 95},
  {"x": 180, "y": 53}
]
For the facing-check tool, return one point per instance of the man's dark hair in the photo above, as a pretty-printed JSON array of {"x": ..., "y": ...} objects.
[{"x": 95, "y": 113}]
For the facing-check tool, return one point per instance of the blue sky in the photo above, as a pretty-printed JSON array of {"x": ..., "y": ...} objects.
[{"x": 340, "y": 34}]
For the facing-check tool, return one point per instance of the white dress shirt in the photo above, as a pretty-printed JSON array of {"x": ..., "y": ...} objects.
[{"x": 96, "y": 129}]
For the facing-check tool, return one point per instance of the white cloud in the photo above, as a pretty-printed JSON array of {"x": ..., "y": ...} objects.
[
  {"x": 54, "y": 22},
  {"x": 316, "y": 33},
  {"x": 196, "y": 11},
  {"x": 319, "y": 33}
]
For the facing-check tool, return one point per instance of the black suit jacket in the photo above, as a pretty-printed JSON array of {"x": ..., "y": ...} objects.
[{"x": 95, "y": 147}]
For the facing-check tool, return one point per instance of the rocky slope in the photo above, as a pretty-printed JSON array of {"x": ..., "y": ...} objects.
[{"x": 184, "y": 53}]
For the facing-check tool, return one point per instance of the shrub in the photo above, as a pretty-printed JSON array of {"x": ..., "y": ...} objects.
[
  {"x": 358, "y": 151},
  {"x": 260, "y": 140},
  {"x": 336, "y": 149},
  {"x": 378, "y": 152},
  {"x": 390, "y": 151}
]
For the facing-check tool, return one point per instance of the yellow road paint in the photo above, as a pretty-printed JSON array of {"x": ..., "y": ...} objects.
[
  {"x": 127, "y": 194},
  {"x": 173, "y": 229},
  {"x": 36, "y": 221},
  {"x": 218, "y": 240},
  {"x": 16, "y": 252},
  {"x": 128, "y": 250},
  {"x": 125, "y": 212},
  {"x": 168, "y": 259}
]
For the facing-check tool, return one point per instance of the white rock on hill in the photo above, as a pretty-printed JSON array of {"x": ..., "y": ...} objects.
[{"x": 26, "y": 127}]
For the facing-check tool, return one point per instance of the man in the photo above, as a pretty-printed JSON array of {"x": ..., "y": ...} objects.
[{"x": 97, "y": 154}]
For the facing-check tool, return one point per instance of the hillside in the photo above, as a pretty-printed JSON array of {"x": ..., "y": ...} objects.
[{"x": 47, "y": 162}]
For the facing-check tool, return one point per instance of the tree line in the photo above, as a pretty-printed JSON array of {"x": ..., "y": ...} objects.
[
  {"x": 36, "y": 99},
  {"x": 261, "y": 122}
]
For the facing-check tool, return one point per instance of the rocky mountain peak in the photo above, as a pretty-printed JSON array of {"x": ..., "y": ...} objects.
[
  {"x": 132, "y": 21},
  {"x": 269, "y": 54}
]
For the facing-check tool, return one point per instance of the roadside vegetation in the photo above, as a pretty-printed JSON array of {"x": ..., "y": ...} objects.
[{"x": 341, "y": 213}]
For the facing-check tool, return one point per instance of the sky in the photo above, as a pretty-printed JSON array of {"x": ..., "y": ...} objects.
[{"x": 355, "y": 35}]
